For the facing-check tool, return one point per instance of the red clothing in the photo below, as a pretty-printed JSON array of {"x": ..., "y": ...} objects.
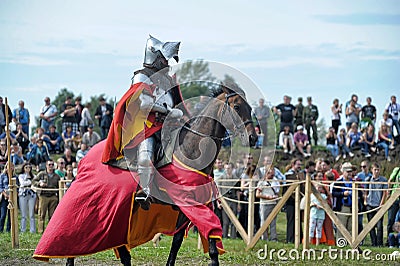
[
  {"x": 130, "y": 125},
  {"x": 96, "y": 212}
]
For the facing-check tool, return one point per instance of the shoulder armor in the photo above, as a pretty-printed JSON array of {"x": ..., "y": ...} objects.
[{"x": 140, "y": 77}]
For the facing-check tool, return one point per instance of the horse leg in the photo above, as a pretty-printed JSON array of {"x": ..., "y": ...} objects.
[
  {"x": 176, "y": 245},
  {"x": 70, "y": 262},
  {"x": 124, "y": 256},
  {"x": 213, "y": 252}
]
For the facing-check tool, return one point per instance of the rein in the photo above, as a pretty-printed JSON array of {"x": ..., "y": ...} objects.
[{"x": 236, "y": 127}]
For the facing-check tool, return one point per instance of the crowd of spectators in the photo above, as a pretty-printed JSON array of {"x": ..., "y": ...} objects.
[
  {"x": 361, "y": 131},
  {"x": 334, "y": 185},
  {"x": 39, "y": 160}
]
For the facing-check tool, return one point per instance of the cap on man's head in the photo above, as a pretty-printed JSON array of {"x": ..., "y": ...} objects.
[
  {"x": 299, "y": 127},
  {"x": 300, "y": 99},
  {"x": 90, "y": 126},
  {"x": 309, "y": 98},
  {"x": 101, "y": 98},
  {"x": 347, "y": 167}
]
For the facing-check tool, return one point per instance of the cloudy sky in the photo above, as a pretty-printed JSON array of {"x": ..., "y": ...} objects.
[{"x": 324, "y": 49}]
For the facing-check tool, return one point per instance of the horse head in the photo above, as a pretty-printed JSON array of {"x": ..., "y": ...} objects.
[{"x": 236, "y": 113}]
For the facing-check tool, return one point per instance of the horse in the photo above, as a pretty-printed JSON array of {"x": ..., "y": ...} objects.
[{"x": 227, "y": 109}]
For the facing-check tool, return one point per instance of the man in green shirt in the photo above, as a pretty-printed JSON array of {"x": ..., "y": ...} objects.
[
  {"x": 310, "y": 116},
  {"x": 46, "y": 182}
]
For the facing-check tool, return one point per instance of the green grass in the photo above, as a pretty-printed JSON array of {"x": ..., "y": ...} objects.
[{"x": 188, "y": 254}]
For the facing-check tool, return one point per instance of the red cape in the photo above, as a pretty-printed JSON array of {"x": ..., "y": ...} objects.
[{"x": 96, "y": 212}]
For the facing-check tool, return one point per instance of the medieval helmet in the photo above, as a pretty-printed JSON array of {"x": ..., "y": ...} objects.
[{"x": 155, "y": 48}]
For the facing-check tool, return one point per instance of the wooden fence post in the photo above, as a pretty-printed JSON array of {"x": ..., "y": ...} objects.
[
  {"x": 12, "y": 186},
  {"x": 354, "y": 211},
  {"x": 306, "y": 231},
  {"x": 250, "y": 213},
  {"x": 233, "y": 219},
  {"x": 297, "y": 218}
]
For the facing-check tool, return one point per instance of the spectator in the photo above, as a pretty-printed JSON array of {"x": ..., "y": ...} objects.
[
  {"x": 385, "y": 140},
  {"x": 48, "y": 199},
  {"x": 31, "y": 144},
  {"x": 298, "y": 113},
  {"x": 310, "y": 117},
  {"x": 354, "y": 138},
  {"x": 262, "y": 113},
  {"x": 336, "y": 112},
  {"x": 68, "y": 157},
  {"x": 327, "y": 168},
  {"x": 368, "y": 144},
  {"x": 79, "y": 109},
  {"x": 48, "y": 113},
  {"x": 375, "y": 196},
  {"x": 393, "y": 110},
  {"x": 301, "y": 142},
  {"x": 352, "y": 114},
  {"x": 386, "y": 120},
  {"x": 368, "y": 111},
  {"x": 219, "y": 170},
  {"x": 362, "y": 176},
  {"x": 21, "y": 115},
  {"x": 60, "y": 169},
  {"x": 259, "y": 143},
  {"x": 104, "y": 113},
  {"x": 267, "y": 162},
  {"x": 39, "y": 133},
  {"x": 394, "y": 236},
  {"x": 342, "y": 199},
  {"x": 21, "y": 137},
  {"x": 286, "y": 112},
  {"x": 342, "y": 143},
  {"x": 246, "y": 178},
  {"x": 90, "y": 138},
  {"x": 69, "y": 137},
  {"x": 231, "y": 191},
  {"x": 4, "y": 211},
  {"x": 3, "y": 153},
  {"x": 317, "y": 213},
  {"x": 394, "y": 209},
  {"x": 286, "y": 140},
  {"x": 291, "y": 174},
  {"x": 27, "y": 198},
  {"x": 17, "y": 158},
  {"x": 267, "y": 191},
  {"x": 3, "y": 115},
  {"x": 69, "y": 176},
  {"x": 68, "y": 114},
  {"x": 310, "y": 169},
  {"x": 331, "y": 143},
  {"x": 53, "y": 140},
  {"x": 81, "y": 152},
  {"x": 86, "y": 119},
  {"x": 39, "y": 155}
]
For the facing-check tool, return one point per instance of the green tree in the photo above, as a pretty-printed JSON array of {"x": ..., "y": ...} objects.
[{"x": 195, "y": 79}]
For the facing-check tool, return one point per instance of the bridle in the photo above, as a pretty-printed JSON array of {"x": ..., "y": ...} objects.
[{"x": 224, "y": 108}]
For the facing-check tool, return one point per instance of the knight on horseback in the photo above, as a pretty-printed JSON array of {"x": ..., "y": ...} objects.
[{"x": 153, "y": 95}]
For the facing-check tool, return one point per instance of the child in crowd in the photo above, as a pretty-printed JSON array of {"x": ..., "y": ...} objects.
[
  {"x": 394, "y": 237},
  {"x": 342, "y": 139},
  {"x": 317, "y": 214}
]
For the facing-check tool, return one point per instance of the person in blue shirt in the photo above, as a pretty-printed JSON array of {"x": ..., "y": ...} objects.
[
  {"x": 342, "y": 196},
  {"x": 361, "y": 176},
  {"x": 21, "y": 115}
]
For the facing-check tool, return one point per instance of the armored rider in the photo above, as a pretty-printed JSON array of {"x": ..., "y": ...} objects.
[{"x": 153, "y": 95}]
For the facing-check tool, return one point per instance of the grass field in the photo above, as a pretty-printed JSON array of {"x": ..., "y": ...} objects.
[{"x": 189, "y": 254}]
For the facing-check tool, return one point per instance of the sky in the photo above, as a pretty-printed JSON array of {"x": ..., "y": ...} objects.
[{"x": 323, "y": 49}]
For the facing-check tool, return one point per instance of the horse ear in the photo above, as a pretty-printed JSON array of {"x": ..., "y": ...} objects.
[{"x": 225, "y": 88}]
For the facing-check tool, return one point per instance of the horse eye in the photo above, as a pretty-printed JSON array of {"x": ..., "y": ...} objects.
[{"x": 236, "y": 107}]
